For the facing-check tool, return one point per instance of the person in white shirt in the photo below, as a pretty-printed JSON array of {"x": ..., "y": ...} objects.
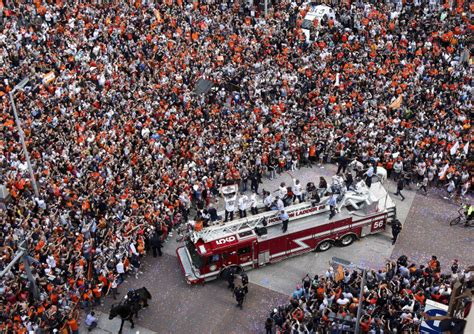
[
  {"x": 370, "y": 174},
  {"x": 268, "y": 201},
  {"x": 120, "y": 270},
  {"x": 343, "y": 301},
  {"x": 243, "y": 205},
  {"x": 91, "y": 321},
  {"x": 229, "y": 210},
  {"x": 282, "y": 191},
  {"x": 279, "y": 205},
  {"x": 253, "y": 203},
  {"x": 297, "y": 191},
  {"x": 51, "y": 261},
  {"x": 114, "y": 287},
  {"x": 397, "y": 169}
]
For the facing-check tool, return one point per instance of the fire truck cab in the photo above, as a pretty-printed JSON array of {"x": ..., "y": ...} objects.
[{"x": 258, "y": 240}]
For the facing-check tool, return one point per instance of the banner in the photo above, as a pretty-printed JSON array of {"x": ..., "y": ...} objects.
[
  {"x": 397, "y": 103},
  {"x": 454, "y": 148},
  {"x": 433, "y": 309}
]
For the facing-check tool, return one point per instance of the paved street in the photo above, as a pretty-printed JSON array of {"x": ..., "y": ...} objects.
[{"x": 179, "y": 308}]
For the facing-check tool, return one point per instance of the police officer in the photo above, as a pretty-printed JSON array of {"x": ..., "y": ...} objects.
[
  {"x": 245, "y": 281},
  {"x": 156, "y": 244},
  {"x": 230, "y": 279},
  {"x": 284, "y": 220},
  {"x": 396, "y": 229},
  {"x": 239, "y": 296}
]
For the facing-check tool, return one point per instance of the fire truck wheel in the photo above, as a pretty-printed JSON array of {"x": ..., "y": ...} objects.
[
  {"x": 347, "y": 240},
  {"x": 324, "y": 245}
]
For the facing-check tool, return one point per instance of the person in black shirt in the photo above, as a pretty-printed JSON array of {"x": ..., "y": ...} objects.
[
  {"x": 254, "y": 181},
  {"x": 156, "y": 244},
  {"x": 341, "y": 164},
  {"x": 396, "y": 229},
  {"x": 400, "y": 186},
  {"x": 239, "y": 296}
]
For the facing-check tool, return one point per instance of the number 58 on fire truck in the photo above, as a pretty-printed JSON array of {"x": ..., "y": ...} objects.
[{"x": 257, "y": 240}]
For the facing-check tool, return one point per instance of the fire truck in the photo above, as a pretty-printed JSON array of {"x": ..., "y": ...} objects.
[{"x": 258, "y": 240}]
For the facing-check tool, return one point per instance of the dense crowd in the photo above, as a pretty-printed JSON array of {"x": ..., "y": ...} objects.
[
  {"x": 122, "y": 146},
  {"x": 393, "y": 299}
]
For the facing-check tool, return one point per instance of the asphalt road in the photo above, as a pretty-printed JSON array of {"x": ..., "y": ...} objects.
[{"x": 179, "y": 308}]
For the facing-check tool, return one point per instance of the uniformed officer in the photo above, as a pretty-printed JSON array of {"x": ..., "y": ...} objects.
[
  {"x": 396, "y": 229},
  {"x": 239, "y": 296},
  {"x": 245, "y": 281},
  {"x": 284, "y": 220},
  {"x": 230, "y": 279}
]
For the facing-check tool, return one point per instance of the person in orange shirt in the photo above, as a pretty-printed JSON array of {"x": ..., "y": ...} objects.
[
  {"x": 97, "y": 294},
  {"x": 73, "y": 325},
  {"x": 434, "y": 264}
]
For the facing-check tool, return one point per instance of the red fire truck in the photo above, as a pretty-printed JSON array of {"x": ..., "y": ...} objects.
[{"x": 258, "y": 240}]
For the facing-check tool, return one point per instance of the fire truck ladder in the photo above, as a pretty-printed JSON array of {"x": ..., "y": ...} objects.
[{"x": 219, "y": 231}]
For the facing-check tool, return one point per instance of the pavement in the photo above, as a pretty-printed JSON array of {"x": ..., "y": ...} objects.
[{"x": 177, "y": 307}]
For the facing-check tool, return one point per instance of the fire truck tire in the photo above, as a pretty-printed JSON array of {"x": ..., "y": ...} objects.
[
  {"x": 347, "y": 240},
  {"x": 324, "y": 245}
]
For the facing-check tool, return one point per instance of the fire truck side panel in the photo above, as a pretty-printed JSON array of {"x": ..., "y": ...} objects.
[
  {"x": 302, "y": 241},
  {"x": 285, "y": 245}
]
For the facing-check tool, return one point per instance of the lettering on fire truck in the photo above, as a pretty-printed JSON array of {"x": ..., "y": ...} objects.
[
  {"x": 225, "y": 240},
  {"x": 298, "y": 213}
]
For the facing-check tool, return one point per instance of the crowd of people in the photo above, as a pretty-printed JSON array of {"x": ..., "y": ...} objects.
[
  {"x": 393, "y": 299},
  {"x": 122, "y": 145}
]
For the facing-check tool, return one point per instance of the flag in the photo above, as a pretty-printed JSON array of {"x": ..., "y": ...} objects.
[
  {"x": 466, "y": 148},
  {"x": 339, "y": 274},
  {"x": 454, "y": 148},
  {"x": 397, "y": 103},
  {"x": 158, "y": 16},
  {"x": 337, "y": 80},
  {"x": 49, "y": 77},
  {"x": 443, "y": 171}
]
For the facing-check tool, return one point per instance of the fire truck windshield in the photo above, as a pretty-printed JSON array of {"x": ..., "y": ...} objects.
[{"x": 197, "y": 260}]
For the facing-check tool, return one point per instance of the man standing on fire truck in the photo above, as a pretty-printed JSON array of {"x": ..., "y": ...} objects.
[
  {"x": 243, "y": 205},
  {"x": 253, "y": 203},
  {"x": 297, "y": 191},
  {"x": 332, "y": 205},
  {"x": 229, "y": 210},
  {"x": 284, "y": 220}
]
